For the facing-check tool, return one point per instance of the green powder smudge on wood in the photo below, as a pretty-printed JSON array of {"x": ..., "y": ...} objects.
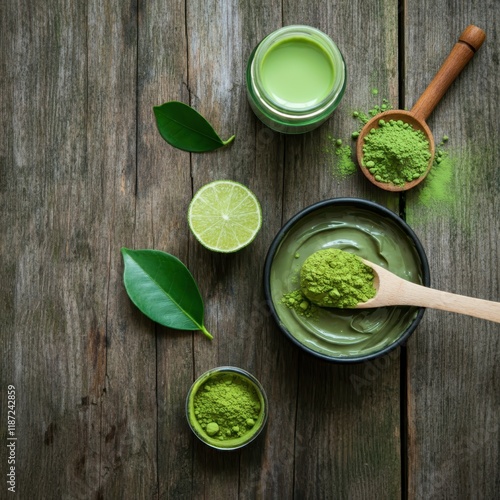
[
  {"x": 458, "y": 189},
  {"x": 342, "y": 158},
  {"x": 436, "y": 192}
]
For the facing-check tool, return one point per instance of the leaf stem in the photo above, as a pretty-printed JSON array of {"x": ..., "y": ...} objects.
[
  {"x": 231, "y": 139},
  {"x": 206, "y": 332}
]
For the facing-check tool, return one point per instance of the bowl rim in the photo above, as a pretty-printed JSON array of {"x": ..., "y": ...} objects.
[
  {"x": 367, "y": 205},
  {"x": 243, "y": 374}
]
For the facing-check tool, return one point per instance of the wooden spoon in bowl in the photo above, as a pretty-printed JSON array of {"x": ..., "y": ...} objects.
[
  {"x": 469, "y": 42},
  {"x": 393, "y": 290}
]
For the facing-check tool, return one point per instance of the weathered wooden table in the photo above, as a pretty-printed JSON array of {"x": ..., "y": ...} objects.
[{"x": 99, "y": 390}]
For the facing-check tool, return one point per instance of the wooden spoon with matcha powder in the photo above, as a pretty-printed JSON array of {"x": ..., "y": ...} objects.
[
  {"x": 469, "y": 42},
  {"x": 393, "y": 290}
]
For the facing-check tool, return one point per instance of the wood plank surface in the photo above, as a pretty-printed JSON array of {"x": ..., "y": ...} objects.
[
  {"x": 129, "y": 402},
  {"x": 163, "y": 194},
  {"x": 53, "y": 304},
  {"x": 346, "y": 435},
  {"x": 453, "y": 360},
  {"x": 100, "y": 389}
]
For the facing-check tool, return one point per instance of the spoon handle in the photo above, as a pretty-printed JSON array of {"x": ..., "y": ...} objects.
[
  {"x": 418, "y": 295},
  {"x": 469, "y": 42}
]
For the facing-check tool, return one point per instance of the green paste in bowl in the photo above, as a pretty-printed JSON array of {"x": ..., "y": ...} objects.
[{"x": 365, "y": 229}]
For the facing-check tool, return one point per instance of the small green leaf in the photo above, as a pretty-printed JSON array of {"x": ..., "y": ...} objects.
[
  {"x": 162, "y": 287},
  {"x": 184, "y": 128}
]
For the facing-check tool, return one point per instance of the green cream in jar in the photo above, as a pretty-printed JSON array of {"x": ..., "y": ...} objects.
[{"x": 295, "y": 79}]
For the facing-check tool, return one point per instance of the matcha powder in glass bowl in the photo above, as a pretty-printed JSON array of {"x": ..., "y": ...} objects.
[{"x": 226, "y": 408}]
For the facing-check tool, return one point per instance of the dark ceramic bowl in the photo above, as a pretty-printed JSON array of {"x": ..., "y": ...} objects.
[
  {"x": 366, "y": 229},
  {"x": 227, "y": 375}
]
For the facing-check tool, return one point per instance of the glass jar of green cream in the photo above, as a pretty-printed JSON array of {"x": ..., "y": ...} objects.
[{"x": 295, "y": 78}]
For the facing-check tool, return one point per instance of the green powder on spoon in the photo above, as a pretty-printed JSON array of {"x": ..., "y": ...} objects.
[
  {"x": 395, "y": 152},
  {"x": 335, "y": 278}
]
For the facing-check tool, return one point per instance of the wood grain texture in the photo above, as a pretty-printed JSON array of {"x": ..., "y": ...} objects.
[
  {"x": 128, "y": 415},
  {"x": 453, "y": 388},
  {"x": 100, "y": 389},
  {"x": 347, "y": 428},
  {"x": 233, "y": 284},
  {"x": 163, "y": 194},
  {"x": 54, "y": 326}
]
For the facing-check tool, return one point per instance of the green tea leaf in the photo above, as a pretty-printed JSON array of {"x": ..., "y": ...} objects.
[
  {"x": 184, "y": 128},
  {"x": 162, "y": 287}
]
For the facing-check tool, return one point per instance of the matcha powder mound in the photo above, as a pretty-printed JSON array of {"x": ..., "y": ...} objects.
[
  {"x": 335, "y": 278},
  {"x": 226, "y": 407},
  {"x": 395, "y": 152}
]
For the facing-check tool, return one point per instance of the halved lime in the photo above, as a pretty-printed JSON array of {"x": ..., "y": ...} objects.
[{"x": 224, "y": 216}]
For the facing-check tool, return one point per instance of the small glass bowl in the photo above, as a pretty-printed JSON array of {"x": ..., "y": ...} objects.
[{"x": 234, "y": 443}]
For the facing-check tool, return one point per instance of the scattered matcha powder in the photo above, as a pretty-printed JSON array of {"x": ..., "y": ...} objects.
[
  {"x": 364, "y": 117},
  {"x": 226, "y": 406},
  {"x": 341, "y": 154},
  {"x": 395, "y": 152},
  {"x": 436, "y": 192},
  {"x": 343, "y": 164},
  {"x": 335, "y": 278},
  {"x": 298, "y": 302}
]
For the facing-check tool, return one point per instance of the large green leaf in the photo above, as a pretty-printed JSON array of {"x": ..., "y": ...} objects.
[
  {"x": 162, "y": 287},
  {"x": 184, "y": 128}
]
